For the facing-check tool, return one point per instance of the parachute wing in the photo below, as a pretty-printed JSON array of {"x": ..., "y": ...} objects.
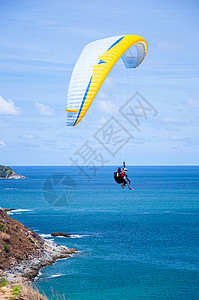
[{"x": 92, "y": 67}]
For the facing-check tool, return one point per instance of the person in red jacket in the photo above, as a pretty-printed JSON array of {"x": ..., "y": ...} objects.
[{"x": 126, "y": 179}]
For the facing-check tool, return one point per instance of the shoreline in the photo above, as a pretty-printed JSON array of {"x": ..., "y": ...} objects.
[
  {"x": 8, "y": 173},
  {"x": 30, "y": 268},
  {"x": 25, "y": 265}
]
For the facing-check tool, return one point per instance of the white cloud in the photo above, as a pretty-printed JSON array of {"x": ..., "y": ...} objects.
[
  {"x": 2, "y": 144},
  {"x": 182, "y": 120},
  {"x": 188, "y": 141},
  {"x": 102, "y": 95},
  {"x": 101, "y": 122},
  {"x": 108, "y": 82},
  {"x": 29, "y": 136},
  {"x": 193, "y": 103},
  {"x": 107, "y": 107},
  {"x": 8, "y": 107},
  {"x": 167, "y": 46},
  {"x": 44, "y": 110},
  {"x": 175, "y": 138}
]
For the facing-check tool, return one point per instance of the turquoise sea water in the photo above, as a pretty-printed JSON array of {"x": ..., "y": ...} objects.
[{"x": 141, "y": 244}]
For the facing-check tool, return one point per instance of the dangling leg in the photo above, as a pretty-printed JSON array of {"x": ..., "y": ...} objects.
[
  {"x": 124, "y": 183},
  {"x": 128, "y": 183}
]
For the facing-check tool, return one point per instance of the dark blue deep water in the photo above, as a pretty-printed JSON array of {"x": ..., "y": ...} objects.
[{"x": 141, "y": 244}]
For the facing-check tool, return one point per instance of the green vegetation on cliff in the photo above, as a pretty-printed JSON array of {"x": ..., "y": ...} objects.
[
  {"x": 5, "y": 172},
  {"x": 8, "y": 173}
]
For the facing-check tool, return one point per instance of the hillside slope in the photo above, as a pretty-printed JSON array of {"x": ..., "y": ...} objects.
[
  {"x": 23, "y": 252},
  {"x": 8, "y": 173}
]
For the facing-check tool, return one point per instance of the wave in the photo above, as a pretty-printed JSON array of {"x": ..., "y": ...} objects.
[
  {"x": 46, "y": 235},
  {"x": 78, "y": 236},
  {"x": 20, "y": 210},
  {"x": 38, "y": 275},
  {"x": 73, "y": 236},
  {"x": 168, "y": 212},
  {"x": 7, "y": 189},
  {"x": 56, "y": 275}
]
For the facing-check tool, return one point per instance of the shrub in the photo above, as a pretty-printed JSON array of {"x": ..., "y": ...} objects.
[
  {"x": 3, "y": 282},
  {"x": 31, "y": 240},
  {"x": 3, "y": 228},
  {"x": 16, "y": 290},
  {"x": 6, "y": 248},
  {"x": 30, "y": 292}
]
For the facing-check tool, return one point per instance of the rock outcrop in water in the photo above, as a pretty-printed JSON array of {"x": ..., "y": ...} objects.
[
  {"x": 61, "y": 234},
  {"x": 23, "y": 252},
  {"x": 8, "y": 173}
]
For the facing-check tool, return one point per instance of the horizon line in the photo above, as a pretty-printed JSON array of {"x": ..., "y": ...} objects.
[{"x": 137, "y": 165}]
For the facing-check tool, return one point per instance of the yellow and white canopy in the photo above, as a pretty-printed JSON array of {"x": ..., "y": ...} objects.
[{"x": 92, "y": 67}]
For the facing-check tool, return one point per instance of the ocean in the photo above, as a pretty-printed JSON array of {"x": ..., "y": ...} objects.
[{"x": 141, "y": 244}]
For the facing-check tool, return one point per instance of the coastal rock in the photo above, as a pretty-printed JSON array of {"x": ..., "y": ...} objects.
[
  {"x": 60, "y": 234},
  {"x": 29, "y": 268},
  {"x": 8, "y": 173},
  {"x": 9, "y": 209},
  {"x": 23, "y": 252}
]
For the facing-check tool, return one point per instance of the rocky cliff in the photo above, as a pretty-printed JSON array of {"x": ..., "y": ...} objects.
[
  {"x": 23, "y": 252},
  {"x": 8, "y": 173}
]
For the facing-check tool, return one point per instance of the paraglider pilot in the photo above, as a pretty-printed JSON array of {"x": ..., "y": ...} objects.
[
  {"x": 121, "y": 177},
  {"x": 126, "y": 180}
]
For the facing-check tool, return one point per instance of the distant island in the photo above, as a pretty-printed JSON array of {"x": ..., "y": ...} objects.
[{"x": 8, "y": 173}]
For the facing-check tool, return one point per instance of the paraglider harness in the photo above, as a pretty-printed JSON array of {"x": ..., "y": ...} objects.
[{"x": 117, "y": 175}]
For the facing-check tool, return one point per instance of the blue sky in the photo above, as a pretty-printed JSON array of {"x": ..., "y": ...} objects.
[{"x": 40, "y": 42}]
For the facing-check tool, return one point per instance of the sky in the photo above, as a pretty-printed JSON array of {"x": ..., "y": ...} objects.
[{"x": 40, "y": 43}]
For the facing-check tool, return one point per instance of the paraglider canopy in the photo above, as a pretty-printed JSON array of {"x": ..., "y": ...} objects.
[{"x": 92, "y": 67}]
